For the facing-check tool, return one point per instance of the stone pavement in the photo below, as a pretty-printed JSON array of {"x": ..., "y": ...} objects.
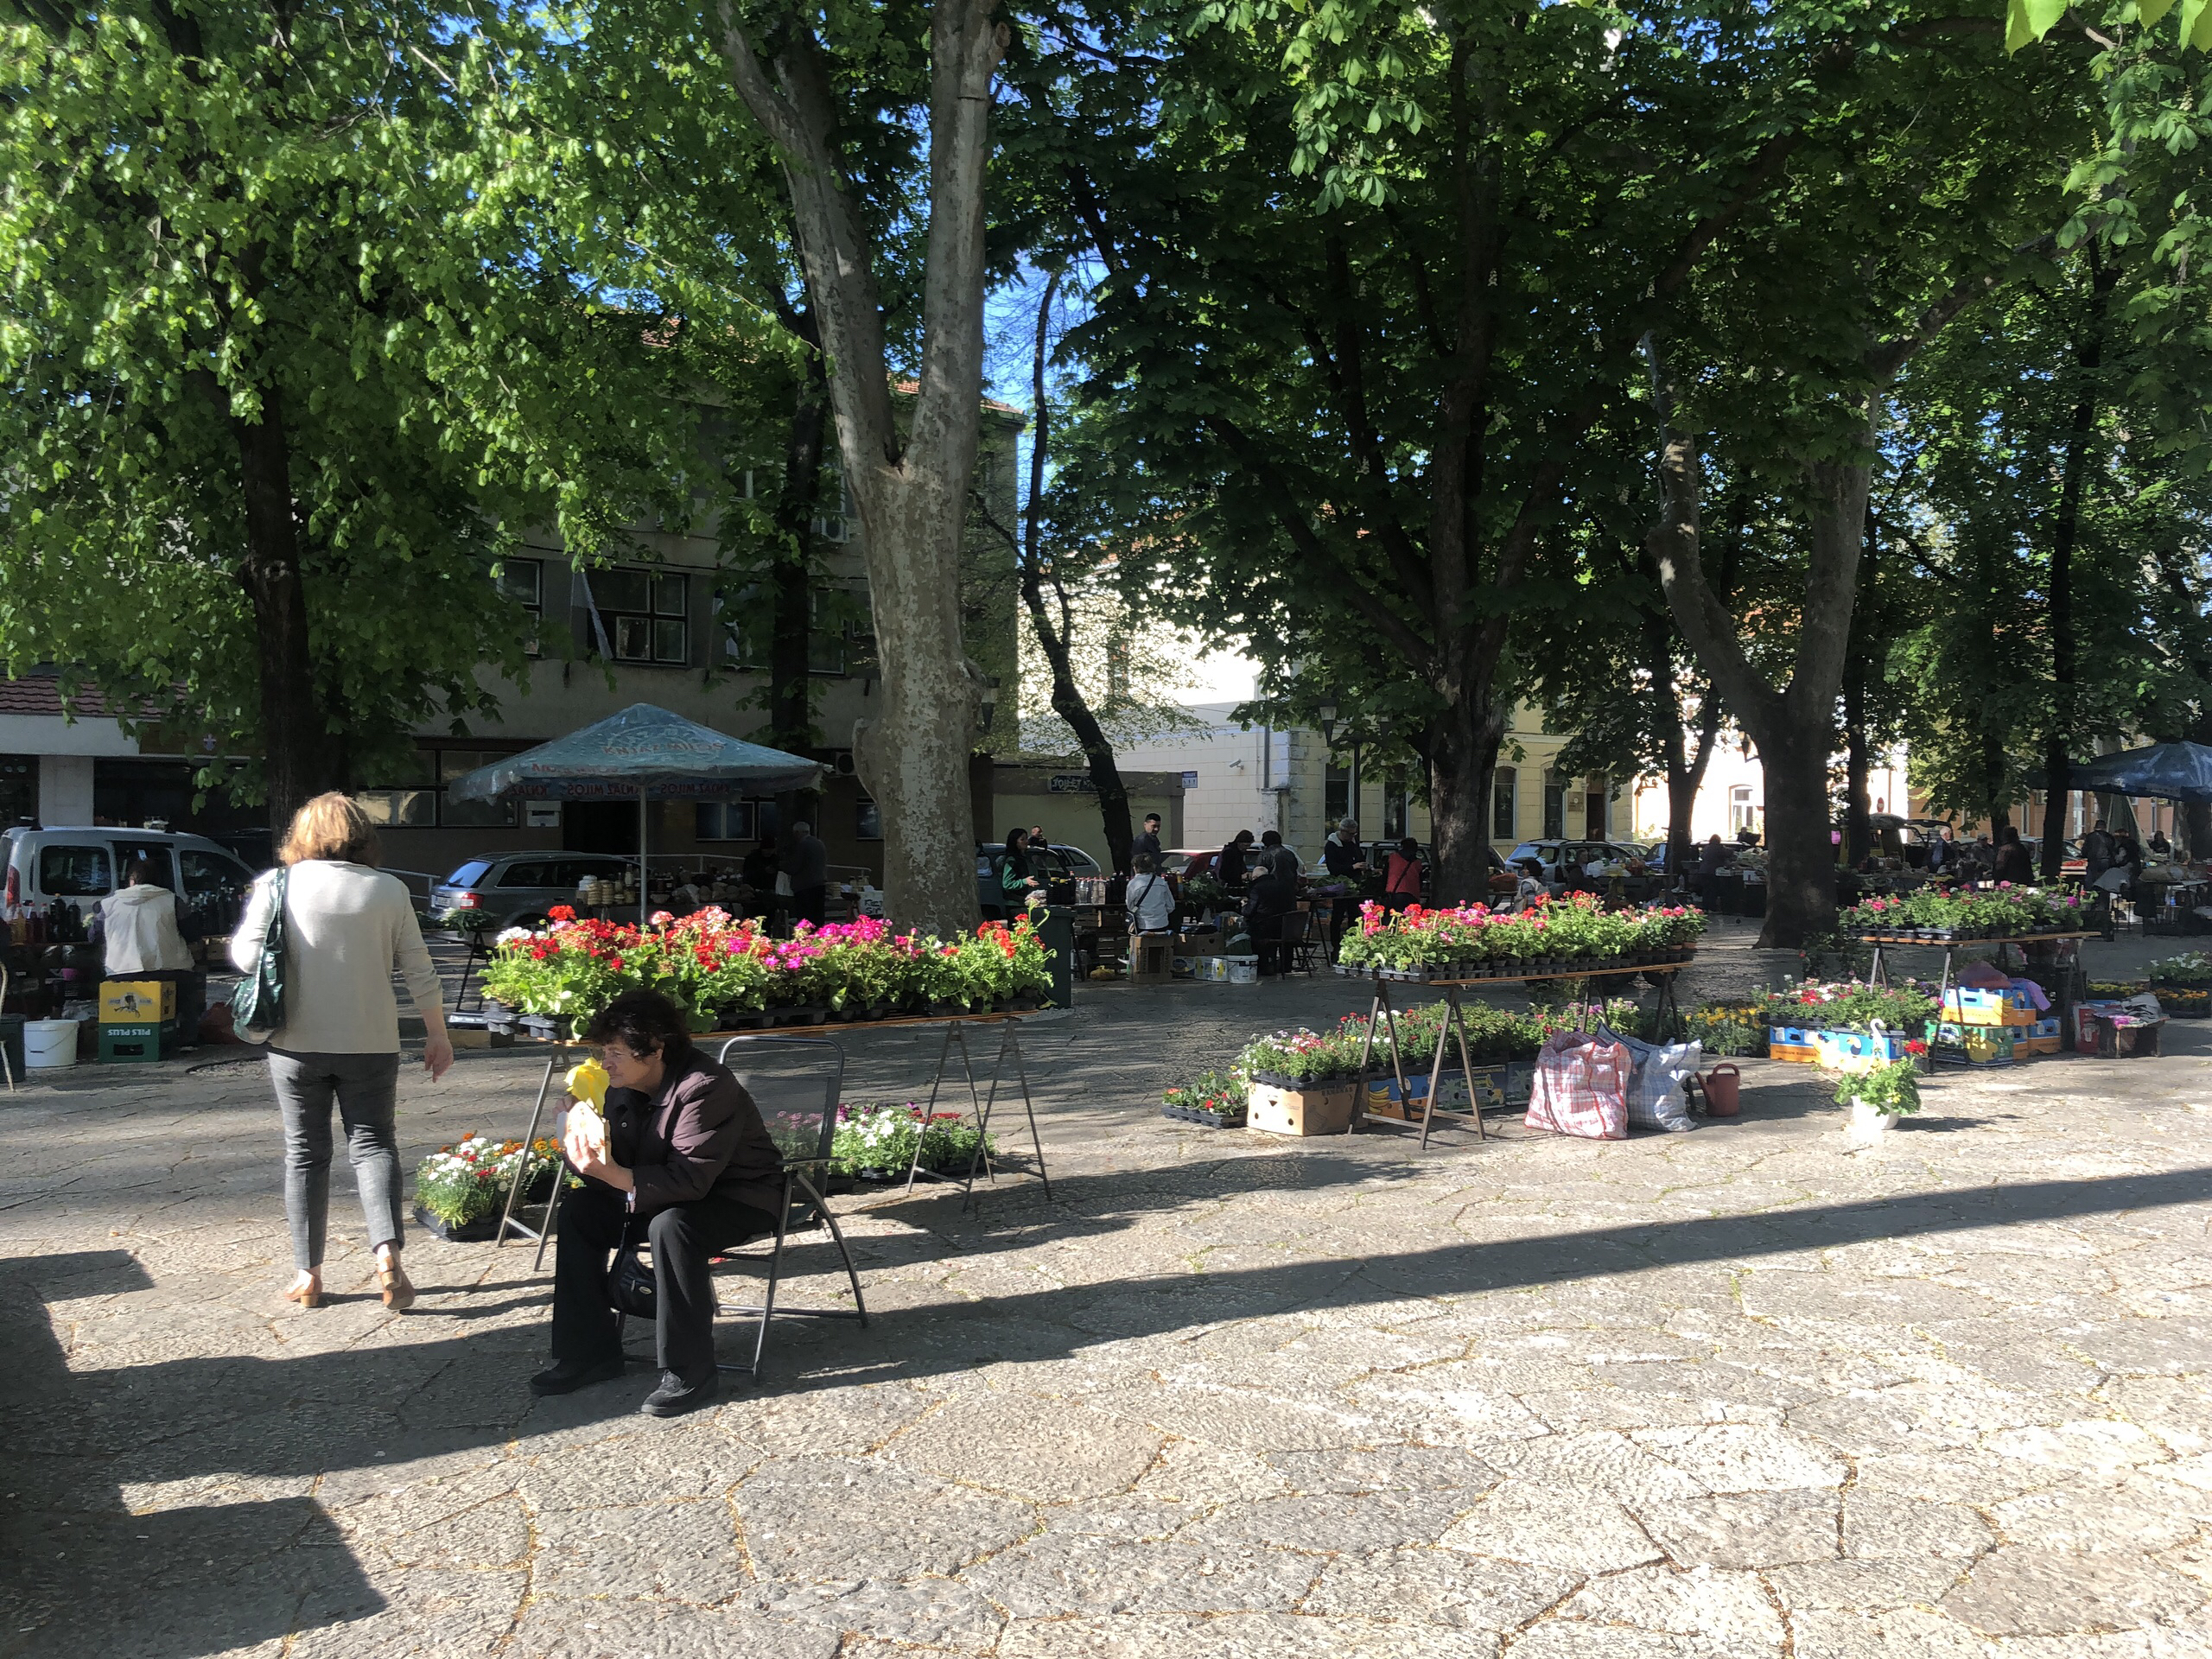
[{"x": 1729, "y": 1392}]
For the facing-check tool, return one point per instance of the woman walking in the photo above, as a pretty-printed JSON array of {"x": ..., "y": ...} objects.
[{"x": 346, "y": 925}]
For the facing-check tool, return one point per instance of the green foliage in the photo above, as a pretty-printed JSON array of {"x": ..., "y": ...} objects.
[
  {"x": 356, "y": 236},
  {"x": 1892, "y": 1089},
  {"x": 1849, "y": 1005}
]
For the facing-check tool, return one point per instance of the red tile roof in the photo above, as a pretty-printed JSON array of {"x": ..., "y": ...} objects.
[{"x": 41, "y": 694}]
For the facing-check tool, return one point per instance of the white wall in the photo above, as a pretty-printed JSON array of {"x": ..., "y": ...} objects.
[{"x": 1732, "y": 769}]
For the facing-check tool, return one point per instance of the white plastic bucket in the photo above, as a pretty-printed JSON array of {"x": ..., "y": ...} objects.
[
  {"x": 1243, "y": 970},
  {"x": 49, "y": 1043}
]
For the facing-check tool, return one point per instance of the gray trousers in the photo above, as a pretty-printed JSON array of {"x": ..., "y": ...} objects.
[{"x": 363, "y": 1086}]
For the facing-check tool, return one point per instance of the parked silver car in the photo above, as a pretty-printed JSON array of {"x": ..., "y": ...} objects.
[{"x": 516, "y": 889}]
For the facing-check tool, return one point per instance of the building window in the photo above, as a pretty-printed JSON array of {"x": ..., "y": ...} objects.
[
  {"x": 645, "y": 615},
  {"x": 1555, "y": 806},
  {"x": 727, "y": 820},
  {"x": 452, "y": 766},
  {"x": 1336, "y": 795},
  {"x": 1594, "y": 809},
  {"x": 867, "y": 820},
  {"x": 400, "y": 809},
  {"x": 1501, "y": 805},
  {"x": 523, "y": 581},
  {"x": 747, "y": 625},
  {"x": 1740, "y": 807},
  {"x": 1393, "y": 810},
  {"x": 837, "y": 526}
]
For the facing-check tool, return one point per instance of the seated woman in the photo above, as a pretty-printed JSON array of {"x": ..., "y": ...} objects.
[{"x": 688, "y": 1167}]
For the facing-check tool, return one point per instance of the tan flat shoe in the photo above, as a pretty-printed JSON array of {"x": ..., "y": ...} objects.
[{"x": 398, "y": 1292}]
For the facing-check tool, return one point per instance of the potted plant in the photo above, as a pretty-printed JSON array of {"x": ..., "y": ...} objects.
[
  {"x": 1216, "y": 1100},
  {"x": 1875, "y": 1098}
]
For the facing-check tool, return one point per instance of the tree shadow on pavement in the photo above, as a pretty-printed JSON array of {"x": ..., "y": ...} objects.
[{"x": 82, "y": 1573}]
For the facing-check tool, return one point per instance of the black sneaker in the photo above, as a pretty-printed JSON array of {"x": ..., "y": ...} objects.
[
  {"x": 675, "y": 1396},
  {"x": 569, "y": 1375}
]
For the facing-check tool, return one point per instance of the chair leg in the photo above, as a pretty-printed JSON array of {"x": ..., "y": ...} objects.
[
  {"x": 775, "y": 1269},
  {"x": 836, "y": 1233}
]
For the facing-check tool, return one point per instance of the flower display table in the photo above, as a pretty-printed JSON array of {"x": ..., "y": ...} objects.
[
  {"x": 559, "y": 1051},
  {"x": 1667, "y": 1016}
]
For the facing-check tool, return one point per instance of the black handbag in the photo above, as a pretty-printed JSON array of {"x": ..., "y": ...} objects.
[{"x": 630, "y": 1284}]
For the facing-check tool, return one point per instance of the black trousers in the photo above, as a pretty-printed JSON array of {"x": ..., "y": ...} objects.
[
  {"x": 811, "y": 905},
  {"x": 684, "y": 1236}
]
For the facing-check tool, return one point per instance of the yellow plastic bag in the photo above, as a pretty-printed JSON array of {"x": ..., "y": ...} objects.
[{"x": 587, "y": 1083}]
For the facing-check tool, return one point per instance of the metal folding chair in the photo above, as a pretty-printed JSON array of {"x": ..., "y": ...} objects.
[
  {"x": 1301, "y": 950},
  {"x": 797, "y": 1082}
]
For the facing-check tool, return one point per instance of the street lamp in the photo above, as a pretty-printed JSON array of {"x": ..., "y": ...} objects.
[{"x": 1327, "y": 716}]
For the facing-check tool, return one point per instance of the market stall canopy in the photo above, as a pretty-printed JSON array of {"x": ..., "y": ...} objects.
[
  {"x": 2167, "y": 771},
  {"x": 643, "y": 751}
]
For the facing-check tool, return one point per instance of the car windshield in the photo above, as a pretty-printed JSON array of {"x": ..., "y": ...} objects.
[{"x": 469, "y": 874}]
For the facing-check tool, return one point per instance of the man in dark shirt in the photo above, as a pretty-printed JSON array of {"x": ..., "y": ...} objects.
[
  {"x": 1229, "y": 865},
  {"x": 1147, "y": 839},
  {"x": 758, "y": 873},
  {"x": 810, "y": 870}
]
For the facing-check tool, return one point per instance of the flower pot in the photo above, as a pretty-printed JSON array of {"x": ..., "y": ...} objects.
[
  {"x": 479, "y": 1231},
  {"x": 1864, "y": 1125}
]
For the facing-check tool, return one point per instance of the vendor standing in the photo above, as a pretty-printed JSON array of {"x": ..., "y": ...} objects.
[{"x": 1345, "y": 860}]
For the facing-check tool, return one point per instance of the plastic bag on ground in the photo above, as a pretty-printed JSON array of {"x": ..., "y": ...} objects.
[
  {"x": 1655, "y": 1097},
  {"x": 1581, "y": 1086}
]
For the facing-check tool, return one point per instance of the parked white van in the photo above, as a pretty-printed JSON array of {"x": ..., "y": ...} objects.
[{"x": 81, "y": 867}]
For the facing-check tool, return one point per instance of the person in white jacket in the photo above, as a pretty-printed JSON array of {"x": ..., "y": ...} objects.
[
  {"x": 139, "y": 927},
  {"x": 347, "y": 926}
]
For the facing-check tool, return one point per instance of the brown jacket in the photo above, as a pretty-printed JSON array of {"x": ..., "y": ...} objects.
[{"x": 699, "y": 1134}]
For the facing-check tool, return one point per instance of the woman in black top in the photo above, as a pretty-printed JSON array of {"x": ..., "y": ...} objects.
[
  {"x": 2012, "y": 861},
  {"x": 1229, "y": 868}
]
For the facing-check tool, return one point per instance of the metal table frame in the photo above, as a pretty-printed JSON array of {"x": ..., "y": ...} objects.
[
  {"x": 1877, "y": 970},
  {"x": 1667, "y": 1012}
]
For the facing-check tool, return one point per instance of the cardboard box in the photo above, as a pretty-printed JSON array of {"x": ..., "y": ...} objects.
[
  {"x": 1152, "y": 958},
  {"x": 479, "y": 1037},
  {"x": 139, "y": 1045},
  {"x": 138, "y": 1001},
  {"x": 1795, "y": 1053},
  {"x": 2037, "y": 1045},
  {"x": 1453, "y": 1092},
  {"x": 1328, "y": 1110},
  {"x": 1200, "y": 942}
]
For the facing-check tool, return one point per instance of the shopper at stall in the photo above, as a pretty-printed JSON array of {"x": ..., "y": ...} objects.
[
  {"x": 2013, "y": 863},
  {"x": 1529, "y": 889},
  {"x": 1147, "y": 839},
  {"x": 2096, "y": 852},
  {"x": 1345, "y": 860},
  {"x": 2158, "y": 845},
  {"x": 1149, "y": 897},
  {"x": 347, "y": 927},
  {"x": 809, "y": 872},
  {"x": 688, "y": 1168},
  {"x": 1273, "y": 893},
  {"x": 1018, "y": 878},
  {"x": 1401, "y": 874},
  {"x": 758, "y": 875},
  {"x": 1943, "y": 852},
  {"x": 1229, "y": 864}
]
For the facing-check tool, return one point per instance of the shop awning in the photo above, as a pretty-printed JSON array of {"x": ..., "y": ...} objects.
[
  {"x": 2167, "y": 771},
  {"x": 643, "y": 751}
]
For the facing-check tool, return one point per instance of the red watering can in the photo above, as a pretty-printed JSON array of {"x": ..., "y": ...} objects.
[{"x": 1721, "y": 1090}]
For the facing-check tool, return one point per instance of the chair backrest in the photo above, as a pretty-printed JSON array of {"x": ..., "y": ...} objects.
[
  {"x": 1295, "y": 925},
  {"x": 797, "y": 1082}
]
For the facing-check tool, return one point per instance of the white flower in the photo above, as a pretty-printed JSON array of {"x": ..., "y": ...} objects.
[{"x": 514, "y": 935}]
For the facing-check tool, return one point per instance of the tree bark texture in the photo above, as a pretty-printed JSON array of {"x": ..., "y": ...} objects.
[
  {"x": 298, "y": 761},
  {"x": 2065, "y": 530},
  {"x": 1794, "y": 729},
  {"x": 790, "y": 646},
  {"x": 1054, "y": 636},
  {"x": 910, "y": 493}
]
